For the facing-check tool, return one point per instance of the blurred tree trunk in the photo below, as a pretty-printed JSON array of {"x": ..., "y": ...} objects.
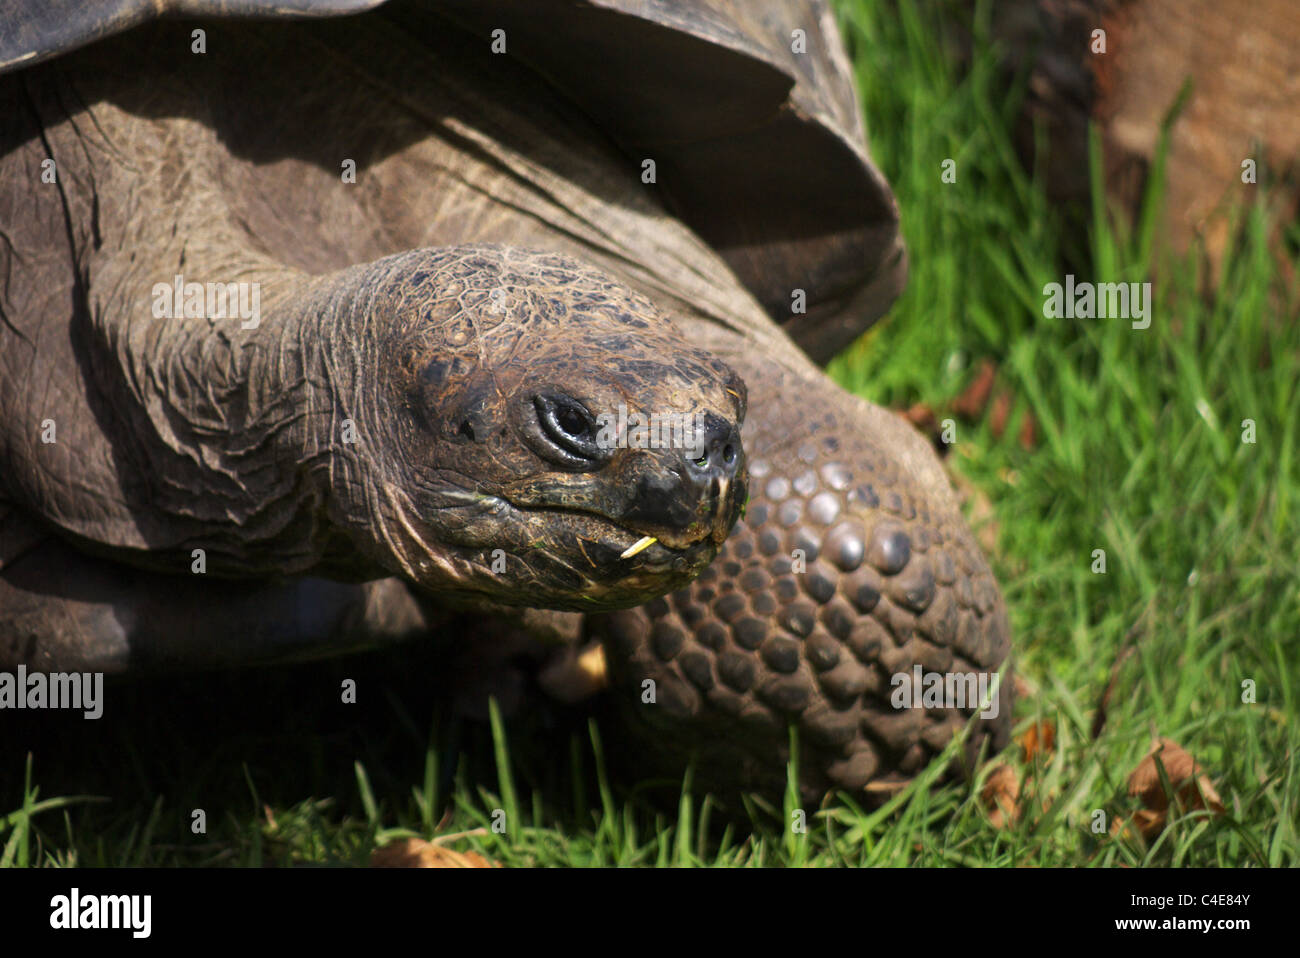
[{"x": 1240, "y": 61}]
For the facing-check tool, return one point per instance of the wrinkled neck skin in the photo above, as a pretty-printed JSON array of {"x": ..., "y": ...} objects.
[{"x": 242, "y": 426}]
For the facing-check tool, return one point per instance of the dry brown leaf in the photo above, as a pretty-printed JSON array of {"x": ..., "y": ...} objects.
[
  {"x": 970, "y": 404},
  {"x": 1145, "y": 784},
  {"x": 999, "y": 414},
  {"x": 1186, "y": 778},
  {"x": 1149, "y": 822},
  {"x": 1028, "y": 432},
  {"x": 1146, "y": 821},
  {"x": 1001, "y": 796},
  {"x": 417, "y": 853},
  {"x": 884, "y": 788},
  {"x": 922, "y": 416},
  {"x": 1039, "y": 738}
]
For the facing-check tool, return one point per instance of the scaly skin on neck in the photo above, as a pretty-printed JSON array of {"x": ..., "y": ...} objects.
[{"x": 225, "y": 424}]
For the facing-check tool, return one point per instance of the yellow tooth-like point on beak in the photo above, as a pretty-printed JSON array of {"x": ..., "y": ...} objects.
[{"x": 645, "y": 542}]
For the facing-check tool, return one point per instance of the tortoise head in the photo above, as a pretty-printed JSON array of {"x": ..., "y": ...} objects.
[{"x": 548, "y": 438}]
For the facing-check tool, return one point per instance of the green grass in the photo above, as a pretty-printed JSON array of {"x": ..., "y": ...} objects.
[{"x": 1140, "y": 454}]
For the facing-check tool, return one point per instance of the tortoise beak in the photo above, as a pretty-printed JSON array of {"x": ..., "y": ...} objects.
[
  {"x": 720, "y": 473},
  {"x": 729, "y": 500},
  {"x": 702, "y": 493}
]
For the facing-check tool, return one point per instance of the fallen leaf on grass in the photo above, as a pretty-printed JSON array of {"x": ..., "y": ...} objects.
[
  {"x": 417, "y": 853},
  {"x": 922, "y": 416},
  {"x": 1001, "y": 796},
  {"x": 1184, "y": 775},
  {"x": 1191, "y": 787},
  {"x": 924, "y": 419},
  {"x": 1039, "y": 738},
  {"x": 884, "y": 789},
  {"x": 1028, "y": 432},
  {"x": 970, "y": 404},
  {"x": 999, "y": 414}
]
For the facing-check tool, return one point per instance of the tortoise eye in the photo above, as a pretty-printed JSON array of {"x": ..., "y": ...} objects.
[
  {"x": 573, "y": 422},
  {"x": 568, "y": 425}
]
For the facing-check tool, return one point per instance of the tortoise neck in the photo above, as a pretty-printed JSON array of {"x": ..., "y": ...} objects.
[
  {"x": 216, "y": 382},
  {"x": 241, "y": 391}
]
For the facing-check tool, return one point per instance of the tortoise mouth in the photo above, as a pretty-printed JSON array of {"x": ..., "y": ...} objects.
[
  {"x": 592, "y": 543},
  {"x": 640, "y": 535},
  {"x": 630, "y": 541},
  {"x": 594, "y": 563}
]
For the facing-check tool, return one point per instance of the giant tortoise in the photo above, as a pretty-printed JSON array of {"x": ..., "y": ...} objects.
[{"x": 447, "y": 241}]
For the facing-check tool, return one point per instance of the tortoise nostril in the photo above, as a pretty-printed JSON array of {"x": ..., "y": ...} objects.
[{"x": 720, "y": 455}]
